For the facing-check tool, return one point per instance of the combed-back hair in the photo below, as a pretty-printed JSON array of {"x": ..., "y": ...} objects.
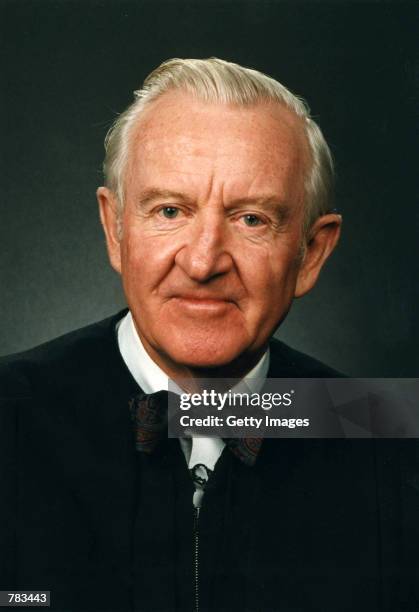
[{"x": 216, "y": 80}]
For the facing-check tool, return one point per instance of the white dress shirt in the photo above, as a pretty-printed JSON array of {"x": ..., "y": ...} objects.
[{"x": 151, "y": 378}]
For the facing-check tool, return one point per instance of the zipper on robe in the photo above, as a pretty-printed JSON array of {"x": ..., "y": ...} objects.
[
  {"x": 196, "y": 558},
  {"x": 200, "y": 474}
]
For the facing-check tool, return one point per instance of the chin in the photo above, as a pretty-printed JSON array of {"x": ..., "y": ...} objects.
[{"x": 201, "y": 352}]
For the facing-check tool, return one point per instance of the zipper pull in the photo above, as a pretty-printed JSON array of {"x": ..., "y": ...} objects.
[{"x": 200, "y": 475}]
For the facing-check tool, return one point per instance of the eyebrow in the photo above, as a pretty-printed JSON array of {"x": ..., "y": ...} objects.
[
  {"x": 269, "y": 201},
  {"x": 150, "y": 195}
]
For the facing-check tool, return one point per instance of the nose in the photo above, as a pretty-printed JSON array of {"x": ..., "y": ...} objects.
[{"x": 205, "y": 254}]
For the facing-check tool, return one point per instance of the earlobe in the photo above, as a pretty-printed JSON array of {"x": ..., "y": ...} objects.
[
  {"x": 323, "y": 238},
  {"x": 108, "y": 211}
]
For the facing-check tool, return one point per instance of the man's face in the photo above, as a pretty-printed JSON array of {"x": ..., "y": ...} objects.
[{"x": 212, "y": 228}]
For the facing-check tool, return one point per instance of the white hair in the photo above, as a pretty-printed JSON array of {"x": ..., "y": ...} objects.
[{"x": 215, "y": 80}]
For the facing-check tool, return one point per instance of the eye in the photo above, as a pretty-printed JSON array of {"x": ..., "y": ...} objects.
[
  {"x": 252, "y": 220},
  {"x": 169, "y": 212}
]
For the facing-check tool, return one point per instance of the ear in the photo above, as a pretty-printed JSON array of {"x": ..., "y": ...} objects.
[
  {"x": 108, "y": 207},
  {"x": 322, "y": 239}
]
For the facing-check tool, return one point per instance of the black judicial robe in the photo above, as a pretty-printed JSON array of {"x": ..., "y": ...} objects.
[{"x": 315, "y": 525}]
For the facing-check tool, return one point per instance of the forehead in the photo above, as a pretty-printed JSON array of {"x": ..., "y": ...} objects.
[{"x": 180, "y": 139}]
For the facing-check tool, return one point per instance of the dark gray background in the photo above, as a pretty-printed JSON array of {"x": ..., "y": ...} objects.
[{"x": 69, "y": 67}]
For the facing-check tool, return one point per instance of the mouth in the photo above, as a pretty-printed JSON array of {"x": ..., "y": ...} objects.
[{"x": 203, "y": 304}]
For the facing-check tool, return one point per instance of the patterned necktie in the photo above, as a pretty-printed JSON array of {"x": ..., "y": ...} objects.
[{"x": 149, "y": 416}]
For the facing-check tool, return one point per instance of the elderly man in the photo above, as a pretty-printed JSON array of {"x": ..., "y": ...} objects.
[{"x": 217, "y": 214}]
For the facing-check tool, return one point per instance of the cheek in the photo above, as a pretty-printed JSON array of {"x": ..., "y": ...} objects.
[
  {"x": 270, "y": 278},
  {"x": 266, "y": 271},
  {"x": 146, "y": 261}
]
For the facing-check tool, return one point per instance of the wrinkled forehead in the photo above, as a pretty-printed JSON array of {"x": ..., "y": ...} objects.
[{"x": 180, "y": 137}]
